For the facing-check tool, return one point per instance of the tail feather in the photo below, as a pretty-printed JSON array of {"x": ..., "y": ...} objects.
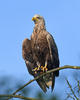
[
  {"x": 49, "y": 83},
  {"x": 46, "y": 81},
  {"x": 53, "y": 81},
  {"x": 42, "y": 84}
]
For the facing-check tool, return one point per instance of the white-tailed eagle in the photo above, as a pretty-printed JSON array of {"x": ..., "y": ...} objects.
[{"x": 41, "y": 54}]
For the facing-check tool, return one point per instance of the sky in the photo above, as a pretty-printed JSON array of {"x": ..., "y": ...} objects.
[{"x": 62, "y": 19}]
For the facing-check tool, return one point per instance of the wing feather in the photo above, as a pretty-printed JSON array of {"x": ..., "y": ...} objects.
[
  {"x": 53, "y": 50},
  {"x": 54, "y": 56},
  {"x": 27, "y": 55},
  {"x": 30, "y": 63}
]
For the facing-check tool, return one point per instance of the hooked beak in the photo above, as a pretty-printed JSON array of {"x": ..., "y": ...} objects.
[{"x": 34, "y": 19}]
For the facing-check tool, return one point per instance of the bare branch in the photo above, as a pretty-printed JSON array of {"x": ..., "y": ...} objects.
[
  {"x": 50, "y": 71},
  {"x": 17, "y": 96}
]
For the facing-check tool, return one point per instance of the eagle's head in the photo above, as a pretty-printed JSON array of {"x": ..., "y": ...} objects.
[{"x": 38, "y": 19}]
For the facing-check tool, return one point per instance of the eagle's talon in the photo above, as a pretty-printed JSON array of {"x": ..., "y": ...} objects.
[
  {"x": 35, "y": 72},
  {"x": 38, "y": 67},
  {"x": 34, "y": 69},
  {"x": 44, "y": 68}
]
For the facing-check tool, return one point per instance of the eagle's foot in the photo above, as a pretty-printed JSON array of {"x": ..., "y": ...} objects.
[
  {"x": 40, "y": 69},
  {"x": 36, "y": 69},
  {"x": 45, "y": 68}
]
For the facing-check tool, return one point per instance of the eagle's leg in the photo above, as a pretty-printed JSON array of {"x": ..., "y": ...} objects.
[
  {"x": 46, "y": 63},
  {"x": 37, "y": 68},
  {"x": 38, "y": 64},
  {"x": 44, "y": 68}
]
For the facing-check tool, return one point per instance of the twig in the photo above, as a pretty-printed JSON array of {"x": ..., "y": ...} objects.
[
  {"x": 69, "y": 96},
  {"x": 78, "y": 85},
  {"x": 17, "y": 96},
  {"x": 72, "y": 90}
]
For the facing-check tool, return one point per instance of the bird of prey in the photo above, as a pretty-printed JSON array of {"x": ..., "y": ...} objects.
[{"x": 41, "y": 54}]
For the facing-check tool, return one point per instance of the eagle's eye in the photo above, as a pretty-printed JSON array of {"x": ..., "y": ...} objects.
[{"x": 38, "y": 17}]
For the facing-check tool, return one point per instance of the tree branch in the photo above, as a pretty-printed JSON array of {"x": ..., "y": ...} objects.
[
  {"x": 50, "y": 71},
  {"x": 17, "y": 96}
]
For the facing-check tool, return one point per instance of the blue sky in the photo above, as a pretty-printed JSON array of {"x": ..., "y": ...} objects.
[{"x": 62, "y": 21}]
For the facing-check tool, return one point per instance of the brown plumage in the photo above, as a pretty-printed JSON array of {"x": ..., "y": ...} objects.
[{"x": 41, "y": 54}]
